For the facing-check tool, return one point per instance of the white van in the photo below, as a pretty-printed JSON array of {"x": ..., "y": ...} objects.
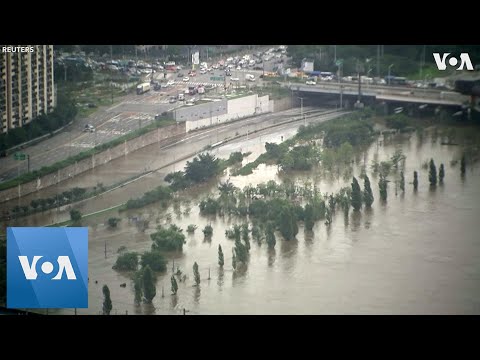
[{"x": 181, "y": 97}]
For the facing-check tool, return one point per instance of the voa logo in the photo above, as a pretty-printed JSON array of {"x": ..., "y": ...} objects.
[
  {"x": 47, "y": 267},
  {"x": 441, "y": 61},
  {"x": 64, "y": 265}
]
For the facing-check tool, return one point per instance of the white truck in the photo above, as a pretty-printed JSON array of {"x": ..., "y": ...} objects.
[
  {"x": 250, "y": 77},
  {"x": 143, "y": 88}
]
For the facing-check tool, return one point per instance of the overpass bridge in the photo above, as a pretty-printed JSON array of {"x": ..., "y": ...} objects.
[{"x": 371, "y": 94}]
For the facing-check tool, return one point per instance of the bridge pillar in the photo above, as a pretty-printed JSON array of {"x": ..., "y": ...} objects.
[{"x": 384, "y": 108}]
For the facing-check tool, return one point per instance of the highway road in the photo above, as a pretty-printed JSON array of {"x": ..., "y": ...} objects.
[
  {"x": 109, "y": 123},
  {"x": 132, "y": 112},
  {"x": 171, "y": 158}
]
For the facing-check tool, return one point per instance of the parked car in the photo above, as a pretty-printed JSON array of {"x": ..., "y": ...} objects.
[
  {"x": 89, "y": 128},
  {"x": 310, "y": 82}
]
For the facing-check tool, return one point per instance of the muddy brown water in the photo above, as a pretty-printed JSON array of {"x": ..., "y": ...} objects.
[{"x": 417, "y": 254}]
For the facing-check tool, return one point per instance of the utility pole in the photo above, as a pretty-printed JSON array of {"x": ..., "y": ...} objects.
[
  {"x": 105, "y": 249},
  {"x": 136, "y": 57},
  {"x": 340, "y": 82},
  {"x": 389, "y": 67},
  {"x": 422, "y": 62},
  {"x": 359, "y": 83},
  {"x": 28, "y": 163},
  {"x": 378, "y": 61},
  {"x": 111, "y": 83}
]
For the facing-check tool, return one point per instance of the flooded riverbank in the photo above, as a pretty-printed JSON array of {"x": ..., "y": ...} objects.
[{"x": 416, "y": 254}]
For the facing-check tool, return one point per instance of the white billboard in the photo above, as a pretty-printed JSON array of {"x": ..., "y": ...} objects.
[
  {"x": 196, "y": 58},
  {"x": 307, "y": 66}
]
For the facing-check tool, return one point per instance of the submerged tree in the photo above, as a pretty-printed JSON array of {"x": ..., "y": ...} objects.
[
  {"x": 367, "y": 192},
  {"x": 245, "y": 236},
  {"x": 441, "y": 174},
  {"x": 270, "y": 235},
  {"x": 174, "y": 285},
  {"x": 75, "y": 215},
  {"x": 288, "y": 223},
  {"x": 344, "y": 199},
  {"x": 196, "y": 274},
  {"x": 382, "y": 185},
  {"x": 308, "y": 217},
  {"x": 191, "y": 228},
  {"x": 220, "y": 256},
  {"x": 415, "y": 180},
  {"x": 208, "y": 230},
  {"x": 257, "y": 233},
  {"x": 463, "y": 165},
  {"x": 107, "y": 302},
  {"x": 356, "y": 195},
  {"x": 432, "y": 174},
  {"x": 328, "y": 216},
  {"x": 331, "y": 203},
  {"x": 241, "y": 252},
  {"x": 138, "y": 287},
  {"x": 149, "y": 289},
  {"x": 402, "y": 181},
  {"x": 234, "y": 259}
]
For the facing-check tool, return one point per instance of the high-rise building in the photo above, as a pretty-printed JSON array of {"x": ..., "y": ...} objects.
[{"x": 26, "y": 84}]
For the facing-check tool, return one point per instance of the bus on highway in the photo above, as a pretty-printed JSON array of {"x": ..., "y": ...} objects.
[{"x": 395, "y": 80}]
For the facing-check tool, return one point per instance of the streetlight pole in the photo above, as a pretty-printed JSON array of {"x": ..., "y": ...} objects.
[
  {"x": 425, "y": 85},
  {"x": 422, "y": 62},
  {"x": 111, "y": 83},
  {"x": 389, "y": 67},
  {"x": 368, "y": 81},
  {"x": 359, "y": 83},
  {"x": 340, "y": 64}
]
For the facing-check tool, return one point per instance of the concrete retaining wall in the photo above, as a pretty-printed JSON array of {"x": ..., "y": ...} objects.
[
  {"x": 282, "y": 104},
  {"x": 162, "y": 136},
  {"x": 201, "y": 111},
  {"x": 236, "y": 109}
]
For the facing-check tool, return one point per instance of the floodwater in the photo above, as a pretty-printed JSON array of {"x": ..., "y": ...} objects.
[{"x": 417, "y": 254}]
